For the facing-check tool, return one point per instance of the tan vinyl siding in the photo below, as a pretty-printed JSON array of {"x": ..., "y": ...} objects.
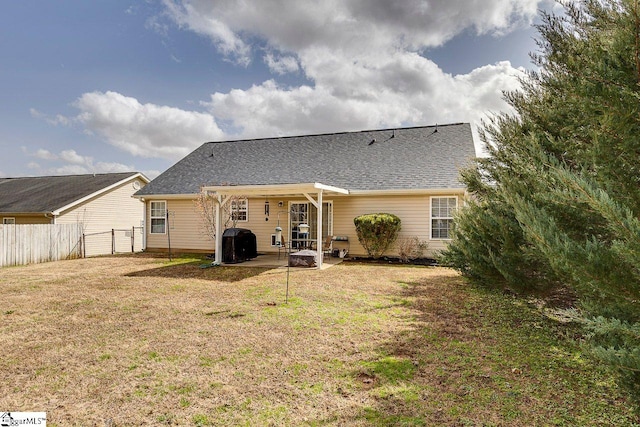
[
  {"x": 264, "y": 229},
  {"x": 187, "y": 233},
  {"x": 115, "y": 209},
  {"x": 414, "y": 211},
  {"x": 185, "y": 229}
]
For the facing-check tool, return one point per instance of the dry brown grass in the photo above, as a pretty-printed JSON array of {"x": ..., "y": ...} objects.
[{"x": 140, "y": 341}]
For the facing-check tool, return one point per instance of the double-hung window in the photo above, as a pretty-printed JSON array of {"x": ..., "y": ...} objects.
[
  {"x": 239, "y": 210},
  {"x": 158, "y": 216},
  {"x": 442, "y": 211}
]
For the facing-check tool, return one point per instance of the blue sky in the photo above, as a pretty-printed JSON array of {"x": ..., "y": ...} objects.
[{"x": 108, "y": 86}]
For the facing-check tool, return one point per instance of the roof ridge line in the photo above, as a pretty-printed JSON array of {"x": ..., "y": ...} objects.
[
  {"x": 70, "y": 175},
  {"x": 336, "y": 133}
]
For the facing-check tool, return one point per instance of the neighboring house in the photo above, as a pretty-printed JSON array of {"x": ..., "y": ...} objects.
[
  {"x": 101, "y": 202},
  {"x": 410, "y": 172}
]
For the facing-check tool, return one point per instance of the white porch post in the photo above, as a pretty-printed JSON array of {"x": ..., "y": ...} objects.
[
  {"x": 319, "y": 243},
  {"x": 218, "y": 253},
  {"x": 318, "y": 205}
]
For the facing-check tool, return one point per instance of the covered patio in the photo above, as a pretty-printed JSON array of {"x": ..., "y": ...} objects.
[
  {"x": 313, "y": 192},
  {"x": 271, "y": 260}
]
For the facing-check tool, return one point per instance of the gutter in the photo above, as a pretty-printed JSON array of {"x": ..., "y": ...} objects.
[
  {"x": 408, "y": 192},
  {"x": 144, "y": 197},
  {"x": 413, "y": 191}
]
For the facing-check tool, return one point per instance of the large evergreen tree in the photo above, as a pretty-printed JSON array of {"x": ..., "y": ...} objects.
[{"x": 557, "y": 202}]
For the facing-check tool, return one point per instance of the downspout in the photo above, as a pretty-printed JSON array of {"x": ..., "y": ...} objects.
[{"x": 51, "y": 216}]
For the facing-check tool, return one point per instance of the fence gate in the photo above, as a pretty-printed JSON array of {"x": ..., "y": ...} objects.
[{"x": 113, "y": 241}]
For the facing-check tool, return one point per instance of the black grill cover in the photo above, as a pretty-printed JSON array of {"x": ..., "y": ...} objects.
[{"x": 238, "y": 245}]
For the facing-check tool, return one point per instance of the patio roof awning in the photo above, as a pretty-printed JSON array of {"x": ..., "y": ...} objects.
[
  {"x": 273, "y": 189},
  {"x": 223, "y": 193}
]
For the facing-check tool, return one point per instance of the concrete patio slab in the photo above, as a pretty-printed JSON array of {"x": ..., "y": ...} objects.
[{"x": 274, "y": 261}]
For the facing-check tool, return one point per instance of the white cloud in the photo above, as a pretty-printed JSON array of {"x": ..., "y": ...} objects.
[
  {"x": 363, "y": 60},
  {"x": 40, "y": 153},
  {"x": 145, "y": 130},
  {"x": 68, "y": 170},
  {"x": 56, "y": 120},
  {"x": 409, "y": 89},
  {"x": 202, "y": 18},
  {"x": 151, "y": 173},
  {"x": 346, "y": 24},
  {"x": 70, "y": 156},
  {"x": 281, "y": 64},
  {"x": 73, "y": 163},
  {"x": 362, "y": 57},
  {"x": 45, "y": 154},
  {"x": 37, "y": 114},
  {"x": 155, "y": 24}
]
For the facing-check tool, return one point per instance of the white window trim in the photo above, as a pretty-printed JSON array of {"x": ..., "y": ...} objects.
[
  {"x": 151, "y": 217},
  {"x": 298, "y": 201},
  {"x": 236, "y": 210},
  {"x": 12, "y": 218},
  {"x": 431, "y": 217}
]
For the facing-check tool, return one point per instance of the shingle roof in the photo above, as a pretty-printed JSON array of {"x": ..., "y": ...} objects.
[
  {"x": 45, "y": 194},
  {"x": 426, "y": 157}
]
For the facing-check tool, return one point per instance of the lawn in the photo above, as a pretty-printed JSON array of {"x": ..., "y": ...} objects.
[{"x": 138, "y": 340}]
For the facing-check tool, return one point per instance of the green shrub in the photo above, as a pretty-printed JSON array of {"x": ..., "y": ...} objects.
[{"x": 377, "y": 232}]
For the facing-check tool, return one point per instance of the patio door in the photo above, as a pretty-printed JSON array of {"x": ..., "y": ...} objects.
[{"x": 306, "y": 213}]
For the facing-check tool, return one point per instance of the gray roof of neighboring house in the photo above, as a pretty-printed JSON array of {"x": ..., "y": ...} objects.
[
  {"x": 428, "y": 157},
  {"x": 43, "y": 194}
]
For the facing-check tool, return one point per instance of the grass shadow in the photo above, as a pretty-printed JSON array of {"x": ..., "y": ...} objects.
[
  {"x": 473, "y": 354},
  {"x": 195, "y": 270}
]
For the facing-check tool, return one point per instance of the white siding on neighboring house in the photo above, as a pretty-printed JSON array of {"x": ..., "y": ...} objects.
[{"x": 114, "y": 209}]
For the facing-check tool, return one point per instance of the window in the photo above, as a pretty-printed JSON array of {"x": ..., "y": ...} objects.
[
  {"x": 442, "y": 210},
  {"x": 306, "y": 213},
  {"x": 8, "y": 220},
  {"x": 239, "y": 210},
  {"x": 158, "y": 217}
]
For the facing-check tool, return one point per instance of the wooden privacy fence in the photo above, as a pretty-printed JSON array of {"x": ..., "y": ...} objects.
[{"x": 36, "y": 243}]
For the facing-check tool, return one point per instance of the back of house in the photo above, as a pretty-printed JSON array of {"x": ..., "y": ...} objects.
[{"x": 318, "y": 181}]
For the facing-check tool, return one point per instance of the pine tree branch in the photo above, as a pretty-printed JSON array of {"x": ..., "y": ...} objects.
[{"x": 637, "y": 40}]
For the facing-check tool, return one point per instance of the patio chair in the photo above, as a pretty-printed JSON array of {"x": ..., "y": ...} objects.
[{"x": 327, "y": 245}]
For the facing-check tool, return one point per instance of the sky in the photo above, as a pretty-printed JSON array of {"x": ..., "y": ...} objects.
[{"x": 113, "y": 85}]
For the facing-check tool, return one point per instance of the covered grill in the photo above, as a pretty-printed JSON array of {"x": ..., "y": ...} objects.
[{"x": 238, "y": 245}]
